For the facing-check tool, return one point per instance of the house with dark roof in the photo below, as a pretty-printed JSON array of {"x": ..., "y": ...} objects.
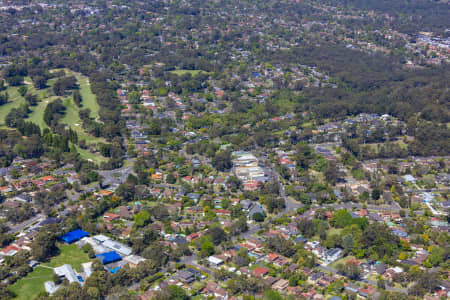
[
  {"x": 23, "y": 198},
  {"x": 185, "y": 276},
  {"x": 246, "y": 204}
]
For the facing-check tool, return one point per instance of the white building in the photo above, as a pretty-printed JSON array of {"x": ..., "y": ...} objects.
[
  {"x": 215, "y": 261},
  {"x": 50, "y": 287},
  {"x": 133, "y": 260},
  {"x": 68, "y": 272},
  {"x": 101, "y": 243},
  {"x": 87, "y": 269},
  {"x": 118, "y": 247}
]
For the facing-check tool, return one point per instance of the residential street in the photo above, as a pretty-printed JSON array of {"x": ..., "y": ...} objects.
[{"x": 19, "y": 227}]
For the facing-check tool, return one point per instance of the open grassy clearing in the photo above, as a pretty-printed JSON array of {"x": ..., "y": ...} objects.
[
  {"x": 341, "y": 261},
  {"x": 182, "y": 72},
  {"x": 71, "y": 117},
  {"x": 72, "y": 120},
  {"x": 88, "y": 98},
  {"x": 374, "y": 146},
  {"x": 37, "y": 112},
  {"x": 70, "y": 254},
  {"x": 32, "y": 285},
  {"x": 334, "y": 231},
  {"x": 95, "y": 158},
  {"x": 15, "y": 101}
]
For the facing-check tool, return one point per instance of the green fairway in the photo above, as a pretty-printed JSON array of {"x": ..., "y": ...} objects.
[
  {"x": 33, "y": 284},
  {"x": 71, "y": 117},
  {"x": 72, "y": 120},
  {"x": 88, "y": 98},
  {"x": 15, "y": 101},
  {"x": 37, "y": 113}
]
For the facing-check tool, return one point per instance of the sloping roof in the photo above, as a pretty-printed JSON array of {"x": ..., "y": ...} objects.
[
  {"x": 50, "y": 287},
  {"x": 118, "y": 247},
  {"x": 108, "y": 257},
  {"x": 256, "y": 209},
  {"x": 10, "y": 250},
  {"x": 66, "y": 271},
  {"x": 260, "y": 271},
  {"x": 215, "y": 260},
  {"x": 74, "y": 236}
]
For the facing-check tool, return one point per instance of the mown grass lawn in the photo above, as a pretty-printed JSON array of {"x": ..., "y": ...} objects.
[
  {"x": 71, "y": 117},
  {"x": 182, "y": 72},
  {"x": 72, "y": 120},
  {"x": 88, "y": 98},
  {"x": 15, "y": 101},
  {"x": 341, "y": 261},
  {"x": 32, "y": 285},
  {"x": 70, "y": 254},
  {"x": 37, "y": 112},
  {"x": 334, "y": 231},
  {"x": 95, "y": 158}
]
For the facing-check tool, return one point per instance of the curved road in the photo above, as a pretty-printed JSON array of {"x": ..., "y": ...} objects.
[{"x": 290, "y": 206}]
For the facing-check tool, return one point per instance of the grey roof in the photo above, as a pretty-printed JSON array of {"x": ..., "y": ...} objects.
[
  {"x": 4, "y": 171},
  {"x": 195, "y": 272},
  {"x": 380, "y": 268},
  {"x": 186, "y": 276},
  {"x": 23, "y": 198},
  {"x": 246, "y": 204},
  {"x": 256, "y": 209},
  {"x": 180, "y": 241},
  {"x": 194, "y": 196},
  {"x": 333, "y": 251},
  {"x": 50, "y": 221},
  {"x": 66, "y": 271}
]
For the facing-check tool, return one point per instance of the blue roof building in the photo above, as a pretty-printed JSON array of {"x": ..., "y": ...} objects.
[
  {"x": 114, "y": 270},
  {"x": 108, "y": 257},
  {"x": 74, "y": 236}
]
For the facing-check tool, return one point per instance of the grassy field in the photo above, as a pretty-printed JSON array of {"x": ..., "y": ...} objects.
[
  {"x": 182, "y": 72},
  {"x": 71, "y": 117},
  {"x": 334, "y": 231},
  {"x": 70, "y": 254},
  {"x": 33, "y": 284},
  {"x": 88, "y": 98},
  {"x": 341, "y": 261},
  {"x": 95, "y": 158},
  {"x": 37, "y": 113},
  {"x": 15, "y": 101}
]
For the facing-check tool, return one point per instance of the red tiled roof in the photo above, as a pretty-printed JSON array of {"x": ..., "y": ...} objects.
[
  {"x": 260, "y": 271},
  {"x": 10, "y": 248}
]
